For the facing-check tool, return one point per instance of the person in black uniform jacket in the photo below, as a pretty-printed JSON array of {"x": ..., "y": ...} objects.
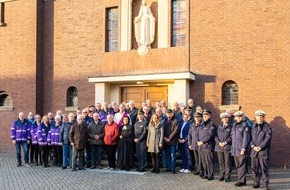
[
  {"x": 223, "y": 145},
  {"x": 206, "y": 142},
  {"x": 126, "y": 145},
  {"x": 240, "y": 139},
  {"x": 140, "y": 130},
  {"x": 260, "y": 149}
]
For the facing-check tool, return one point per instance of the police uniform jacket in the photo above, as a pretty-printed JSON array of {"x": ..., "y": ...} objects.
[
  {"x": 240, "y": 138},
  {"x": 261, "y": 137},
  {"x": 206, "y": 135},
  {"x": 193, "y": 135},
  {"x": 223, "y": 135}
]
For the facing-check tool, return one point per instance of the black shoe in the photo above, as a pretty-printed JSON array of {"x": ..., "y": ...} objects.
[
  {"x": 127, "y": 168},
  {"x": 196, "y": 173},
  {"x": 64, "y": 167},
  {"x": 167, "y": 170},
  {"x": 123, "y": 168},
  {"x": 88, "y": 165},
  {"x": 256, "y": 186},
  {"x": 204, "y": 177},
  {"x": 210, "y": 178},
  {"x": 239, "y": 184},
  {"x": 137, "y": 170},
  {"x": 201, "y": 174},
  {"x": 82, "y": 168},
  {"x": 93, "y": 167},
  {"x": 157, "y": 171},
  {"x": 153, "y": 171},
  {"x": 143, "y": 170},
  {"x": 222, "y": 178},
  {"x": 227, "y": 180},
  {"x": 36, "y": 164},
  {"x": 173, "y": 172},
  {"x": 18, "y": 165},
  {"x": 73, "y": 169}
]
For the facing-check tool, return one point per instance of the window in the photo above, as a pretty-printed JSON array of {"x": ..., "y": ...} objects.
[
  {"x": 6, "y": 103},
  {"x": 230, "y": 93},
  {"x": 112, "y": 29},
  {"x": 2, "y": 13},
  {"x": 178, "y": 26},
  {"x": 72, "y": 97}
]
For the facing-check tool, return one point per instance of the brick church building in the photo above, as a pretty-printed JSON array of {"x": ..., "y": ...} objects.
[{"x": 68, "y": 54}]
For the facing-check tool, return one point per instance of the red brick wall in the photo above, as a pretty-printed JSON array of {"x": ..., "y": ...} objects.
[
  {"x": 229, "y": 40},
  {"x": 17, "y": 64},
  {"x": 245, "y": 42}
]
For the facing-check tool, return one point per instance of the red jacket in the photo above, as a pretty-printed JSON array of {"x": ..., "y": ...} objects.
[{"x": 111, "y": 134}]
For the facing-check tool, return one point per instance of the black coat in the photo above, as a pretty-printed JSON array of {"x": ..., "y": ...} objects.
[
  {"x": 96, "y": 129},
  {"x": 261, "y": 137},
  {"x": 140, "y": 130},
  {"x": 223, "y": 135},
  {"x": 171, "y": 131}
]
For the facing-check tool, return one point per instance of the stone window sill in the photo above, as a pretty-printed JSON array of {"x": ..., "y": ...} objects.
[
  {"x": 71, "y": 108},
  {"x": 231, "y": 107},
  {"x": 6, "y": 108}
]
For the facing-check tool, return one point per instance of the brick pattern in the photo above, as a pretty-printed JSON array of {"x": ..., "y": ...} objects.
[{"x": 229, "y": 40}]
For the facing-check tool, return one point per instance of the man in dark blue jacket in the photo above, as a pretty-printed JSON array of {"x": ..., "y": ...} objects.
[
  {"x": 260, "y": 149},
  {"x": 240, "y": 138},
  {"x": 206, "y": 142}
]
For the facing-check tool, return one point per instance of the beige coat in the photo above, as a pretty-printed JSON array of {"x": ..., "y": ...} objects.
[{"x": 155, "y": 137}]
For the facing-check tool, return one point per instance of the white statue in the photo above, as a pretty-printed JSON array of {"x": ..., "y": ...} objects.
[{"x": 144, "y": 28}]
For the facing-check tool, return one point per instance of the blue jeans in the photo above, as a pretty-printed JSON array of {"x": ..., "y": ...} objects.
[
  {"x": 18, "y": 151},
  {"x": 170, "y": 152},
  {"x": 185, "y": 155},
  {"x": 66, "y": 154}
]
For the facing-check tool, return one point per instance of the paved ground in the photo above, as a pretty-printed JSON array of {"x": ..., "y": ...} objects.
[{"x": 37, "y": 177}]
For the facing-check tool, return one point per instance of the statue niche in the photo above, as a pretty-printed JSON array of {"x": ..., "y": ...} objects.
[{"x": 144, "y": 28}]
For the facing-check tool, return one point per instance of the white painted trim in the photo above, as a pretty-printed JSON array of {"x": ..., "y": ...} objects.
[
  {"x": 5, "y": 1},
  {"x": 163, "y": 21},
  {"x": 148, "y": 77}
]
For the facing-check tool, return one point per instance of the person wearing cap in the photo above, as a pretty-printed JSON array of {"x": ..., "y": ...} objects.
[
  {"x": 140, "y": 131},
  {"x": 170, "y": 140},
  {"x": 192, "y": 143},
  {"x": 206, "y": 143},
  {"x": 223, "y": 142},
  {"x": 260, "y": 149},
  {"x": 240, "y": 139},
  {"x": 183, "y": 144}
]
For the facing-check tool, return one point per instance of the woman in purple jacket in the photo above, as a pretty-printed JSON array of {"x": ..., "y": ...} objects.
[
  {"x": 42, "y": 133},
  {"x": 34, "y": 152},
  {"x": 54, "y": 141}
]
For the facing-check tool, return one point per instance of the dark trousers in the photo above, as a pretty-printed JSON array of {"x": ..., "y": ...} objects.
[
  {"x": 207, "y": 163},
  {"x": 96, "y": 154},
  {"x": 195, "y": 161},
  {"x": 155, "y": 161},
  {"x": 57, "y": 155},
  {"x": 78, "y": 153},
  {"x": 34, "y": 152},
  {"x": 185, "y": 155},
  {"x": 200, "y": 167},
  {"x": 225, "y": 164},
  {"x": 260, "y": 164},
  {"x": 240, "y": 162},
  {"x": 18, "y": 146},
  {"x": 141, "y": 155},
  {"x": 88, "y": 158},
  {"x": 111, "y": 151},
  {"x": 44, "y": 154}
]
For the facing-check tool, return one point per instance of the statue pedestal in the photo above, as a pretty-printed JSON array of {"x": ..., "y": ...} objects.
[{"x": 142, "y": 50}]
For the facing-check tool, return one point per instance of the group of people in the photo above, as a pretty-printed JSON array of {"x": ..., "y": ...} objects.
[{"x": 155, "y": 131}]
